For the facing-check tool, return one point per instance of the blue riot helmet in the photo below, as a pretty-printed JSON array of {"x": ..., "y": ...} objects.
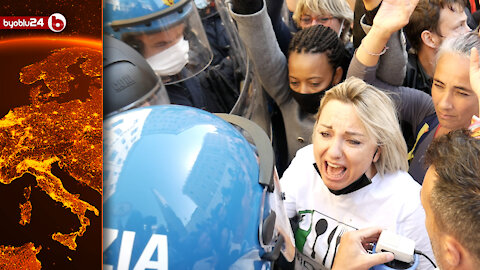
[
  {"x": 128, "y": 80},
  {"x": 168, "y": 33},
  {"x": 183, "y": 190}
]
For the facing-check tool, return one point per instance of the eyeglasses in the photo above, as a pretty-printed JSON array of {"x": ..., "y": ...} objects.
[{"x": 307, "y": 20}]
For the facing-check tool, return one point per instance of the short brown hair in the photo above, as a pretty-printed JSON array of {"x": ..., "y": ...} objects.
[
  {"x": 455, "y": 198},
  {"x": 426, "y": 16}
]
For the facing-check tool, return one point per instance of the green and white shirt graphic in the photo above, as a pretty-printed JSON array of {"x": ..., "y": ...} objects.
[
  {"x": 324, "y": 231},
  {"x": 391, "y": 201}
]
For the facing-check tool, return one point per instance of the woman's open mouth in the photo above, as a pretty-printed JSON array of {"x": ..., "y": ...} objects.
[{"x": 334, "y": 171}]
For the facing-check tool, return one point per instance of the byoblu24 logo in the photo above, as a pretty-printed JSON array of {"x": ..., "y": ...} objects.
[
  {"x": 31, "y": 22},
  {"x": 55, "y": 22}
]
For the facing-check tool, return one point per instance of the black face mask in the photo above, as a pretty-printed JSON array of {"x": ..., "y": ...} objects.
[{"x": 310, "y": 102}]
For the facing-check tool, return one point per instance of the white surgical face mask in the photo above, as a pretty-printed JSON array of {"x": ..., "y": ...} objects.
[{"x": 172, "y": 60}]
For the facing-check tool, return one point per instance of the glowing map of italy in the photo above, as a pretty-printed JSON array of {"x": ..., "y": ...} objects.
[{"x": 54, "y": 131}]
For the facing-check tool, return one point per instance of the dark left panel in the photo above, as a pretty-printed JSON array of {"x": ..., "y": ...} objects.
[{"x": 51, "y": 134}]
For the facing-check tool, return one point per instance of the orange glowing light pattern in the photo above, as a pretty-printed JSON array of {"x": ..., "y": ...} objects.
[
  {"x": 26, "y": 208},
  {"x": 34, "y": 137},
  {"x": 13, "y": 258}
]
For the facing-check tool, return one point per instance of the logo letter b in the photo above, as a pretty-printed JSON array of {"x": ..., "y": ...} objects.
[{"x": 57, "y": 22}]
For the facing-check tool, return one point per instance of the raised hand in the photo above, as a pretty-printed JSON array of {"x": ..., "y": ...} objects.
[
  {"x": 391, "y": 17},
  {"x": 394, "y": 14}
]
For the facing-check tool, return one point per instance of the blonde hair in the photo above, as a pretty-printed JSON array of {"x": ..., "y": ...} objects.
[
  {"x": 378, "y": 115},
  {"x": 337, "y": 8}
]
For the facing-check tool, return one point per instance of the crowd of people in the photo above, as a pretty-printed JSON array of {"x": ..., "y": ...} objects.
[{"x": 378, "y": 101}]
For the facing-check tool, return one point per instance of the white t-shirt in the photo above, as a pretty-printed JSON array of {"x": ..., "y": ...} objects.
[{"x": 391, "y": 202}]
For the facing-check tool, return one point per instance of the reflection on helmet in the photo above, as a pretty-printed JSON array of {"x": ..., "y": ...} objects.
[
  {"x": 151, "y": 27},
  {"x": 128, "y": 81},
  {"x": 181, "y": 191}
]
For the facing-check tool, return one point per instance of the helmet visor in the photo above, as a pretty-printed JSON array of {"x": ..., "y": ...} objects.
[
  {"x": 173, "y": 41},
  {"x": 282, "y": 223}
]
